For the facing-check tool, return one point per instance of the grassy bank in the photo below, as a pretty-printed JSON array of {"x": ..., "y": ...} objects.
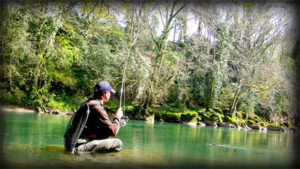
[{"x": 46, "y": 105}]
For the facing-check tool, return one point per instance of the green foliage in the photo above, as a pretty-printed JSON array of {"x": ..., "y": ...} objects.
[
  {"x": 171, "y": 117},
  {"x": 113, "y": 105},
  {"x": 225, "y": 98},
  {"x": 64, "y": 103},
  {"x": 201, "y": 110},
  {"x": 204, "y": 115},
  {"x": 52, "y": 55}
]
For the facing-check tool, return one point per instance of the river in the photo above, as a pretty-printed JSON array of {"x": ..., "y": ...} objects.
[{"x": 32, "y": 140}]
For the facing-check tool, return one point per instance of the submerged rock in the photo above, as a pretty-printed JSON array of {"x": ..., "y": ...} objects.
[
  {"x": 239, "y": 127},
  {"x": 257, "y": 127},
  {"x": 264, "y": 128},
  {"x": 56, "y": 112},
  {"x": 193, "y": 124},
  {"x": 245, "y": 126},
  {"x": 229, "y": 146},
  {"x": 211, "y": 123},
  {"x": 150, "y": 119},
  {"x": 201, "y": 124},
  {"x": 230, "y": 125},
  {"x": 275, "y": 128},
  {"x": 40, "y": 110}
]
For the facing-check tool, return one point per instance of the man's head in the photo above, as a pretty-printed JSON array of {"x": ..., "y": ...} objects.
[{"x": 102, "y": 91}]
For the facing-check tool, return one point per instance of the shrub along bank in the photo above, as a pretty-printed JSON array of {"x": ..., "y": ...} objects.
[{"x": 200, "y": 116}]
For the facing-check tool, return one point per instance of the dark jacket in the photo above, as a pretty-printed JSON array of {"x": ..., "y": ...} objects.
[{"x": 98, "y": 125}]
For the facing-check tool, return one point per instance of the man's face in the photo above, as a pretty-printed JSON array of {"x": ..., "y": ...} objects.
[{"x": 106, "y": 96}]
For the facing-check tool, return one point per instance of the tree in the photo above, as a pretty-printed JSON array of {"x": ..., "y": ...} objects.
[
  {"x": 253, "y": 37},
  {"x": 160, "y": 54}
]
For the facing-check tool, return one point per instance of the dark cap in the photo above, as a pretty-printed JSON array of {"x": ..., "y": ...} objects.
[{"x": 104, "y": 86}]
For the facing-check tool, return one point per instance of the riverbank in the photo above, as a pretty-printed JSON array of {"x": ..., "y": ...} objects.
[
  {"x": 201, "y": 117},
  {"x": 9, "y": 108}
]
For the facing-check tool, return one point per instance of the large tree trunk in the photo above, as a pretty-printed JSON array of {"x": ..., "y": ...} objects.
[
  {"x": 160, "y": 47},
  {"x": 235, "y": 99}
]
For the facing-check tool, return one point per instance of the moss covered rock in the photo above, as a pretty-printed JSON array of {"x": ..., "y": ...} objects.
[
  {"x": 230, "y": 125},
  {"x": 234, "y": 120},
  {"x": 189, "y": 116},
  {"x": 211, "y": 123}
]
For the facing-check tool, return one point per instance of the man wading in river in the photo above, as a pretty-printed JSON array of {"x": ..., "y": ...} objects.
[{"x": 90, "y": 127}]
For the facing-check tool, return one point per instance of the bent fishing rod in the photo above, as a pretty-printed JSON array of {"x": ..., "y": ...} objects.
[
  {"x": 123, "y": 123},
  {"x": 124, "y": 71}
]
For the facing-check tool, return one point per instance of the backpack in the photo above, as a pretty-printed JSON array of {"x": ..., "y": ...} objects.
[{"x": 75, "y": 127}]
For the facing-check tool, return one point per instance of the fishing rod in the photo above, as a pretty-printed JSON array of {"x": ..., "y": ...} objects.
[
  {"x": 123, "y": 123},
  {"x": 132, "y": 34}
]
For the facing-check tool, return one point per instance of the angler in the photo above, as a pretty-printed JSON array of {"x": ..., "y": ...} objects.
[{"x": 90, "y": 127}]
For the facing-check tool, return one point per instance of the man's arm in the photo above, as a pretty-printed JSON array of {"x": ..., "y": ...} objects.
[{"x": 113, "y": 126}]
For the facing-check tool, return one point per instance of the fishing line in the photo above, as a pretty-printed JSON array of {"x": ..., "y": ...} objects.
[
  {"x": 123, "y": 83},
  {"x": 124, "y": 71},
  {"x": 123, "y": 123}
]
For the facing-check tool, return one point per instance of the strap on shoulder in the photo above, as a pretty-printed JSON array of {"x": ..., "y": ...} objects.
[{"x": 97, "y": 104}]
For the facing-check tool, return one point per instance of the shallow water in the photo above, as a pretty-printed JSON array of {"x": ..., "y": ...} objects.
[{"x": 36, "y": 141}]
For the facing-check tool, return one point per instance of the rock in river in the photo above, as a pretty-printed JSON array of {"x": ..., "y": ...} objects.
[
  {"x": 56, "y": 112},
  {"x": 230, "y": 125},
  {"x": 192, "y": 124},
  {"x": 201, "y": 124},
  {"x": 211, "y": 123},
  {"x": 275, "y": 128},
  {"x": 257, "y": 127}
]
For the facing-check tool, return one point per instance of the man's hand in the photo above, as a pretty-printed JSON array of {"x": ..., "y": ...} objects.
[{"x": 119, "y": 113}]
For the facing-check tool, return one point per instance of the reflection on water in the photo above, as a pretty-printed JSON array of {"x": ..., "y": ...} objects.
[{"x": 36, "y": 140}]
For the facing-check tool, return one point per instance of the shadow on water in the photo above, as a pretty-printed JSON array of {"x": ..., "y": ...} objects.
[
  {"x": 229, "y": 146},
  {"x": 125, "y": 156},
  {"x": 57, "y": 157},
  {"x": 36, "y": 141}
]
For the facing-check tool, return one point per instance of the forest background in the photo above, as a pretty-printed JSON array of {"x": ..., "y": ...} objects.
[{"x": 239, "y": 65}]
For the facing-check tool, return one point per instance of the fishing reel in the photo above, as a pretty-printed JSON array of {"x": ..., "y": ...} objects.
[{"x": 123, "y": 121}]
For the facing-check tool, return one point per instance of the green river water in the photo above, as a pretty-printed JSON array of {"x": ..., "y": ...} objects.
[{"x": 31, "y": 140}]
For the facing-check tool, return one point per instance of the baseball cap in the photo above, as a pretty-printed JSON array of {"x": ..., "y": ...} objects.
[{"x": 104, "y": 86}]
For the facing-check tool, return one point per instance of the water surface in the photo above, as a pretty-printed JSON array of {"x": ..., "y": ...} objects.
[{"x": 36, "y": 141}]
